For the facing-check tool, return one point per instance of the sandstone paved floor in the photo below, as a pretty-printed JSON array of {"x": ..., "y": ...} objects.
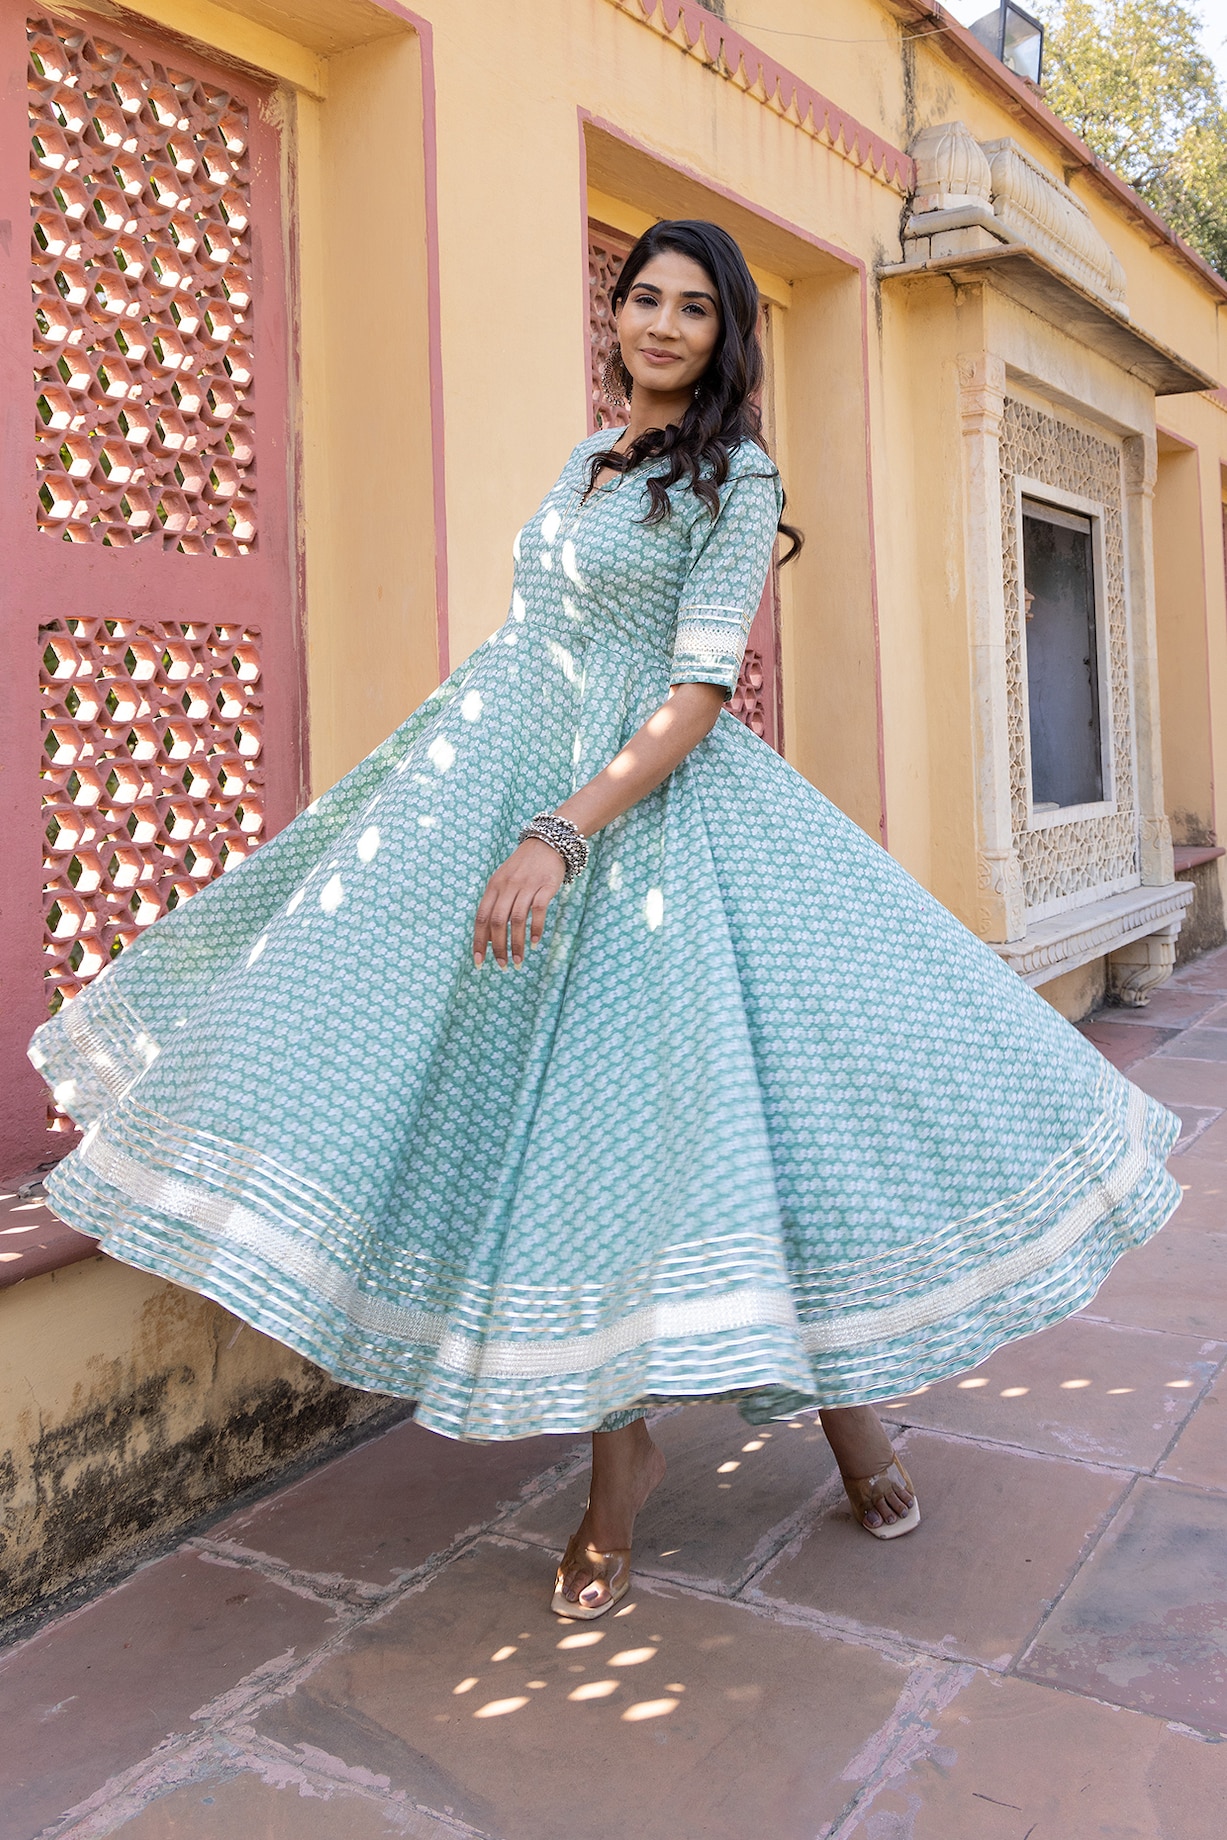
[{"x": 368, "y": 1653}]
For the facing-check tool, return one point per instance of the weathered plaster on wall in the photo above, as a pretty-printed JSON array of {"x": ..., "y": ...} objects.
[{"x": 131, "y": 1407}]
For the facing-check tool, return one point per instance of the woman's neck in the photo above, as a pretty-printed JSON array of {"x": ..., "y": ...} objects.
[{"x": 655, "y": 409}]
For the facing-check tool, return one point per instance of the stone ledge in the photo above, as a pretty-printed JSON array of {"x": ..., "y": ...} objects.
[
  {"x": 1053, "y": 947},
  {"x": 33, "y": 1240},
  {"x": 1028, "y": 277},
  {"x": 1188, "y": 856}
]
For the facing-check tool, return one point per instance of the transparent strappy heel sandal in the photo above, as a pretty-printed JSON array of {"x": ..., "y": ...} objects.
[
  {"x": 611, "y": 1569},
  {"x": 866, "y": 1492}
]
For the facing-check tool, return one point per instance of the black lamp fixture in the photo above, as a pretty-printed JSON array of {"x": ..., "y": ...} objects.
[{"x": 1015, "y": 37}]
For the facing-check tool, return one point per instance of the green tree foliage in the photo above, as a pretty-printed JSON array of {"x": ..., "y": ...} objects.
[{"x": 1131, "y": 77}]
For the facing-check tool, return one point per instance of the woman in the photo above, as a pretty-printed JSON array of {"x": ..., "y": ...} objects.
[{"x": 708, "y": 1100}]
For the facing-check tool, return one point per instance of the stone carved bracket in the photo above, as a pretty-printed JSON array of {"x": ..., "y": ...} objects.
[
  {"x": 1135, "y": 971},
  {"x": 1155, "y": 853},
  {"x": 1140, "y": 453},
  {"x": 1002, "y": 898}
]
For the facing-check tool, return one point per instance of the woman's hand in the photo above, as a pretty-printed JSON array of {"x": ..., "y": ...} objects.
[
  {"x": 530, "y": 878},
  {"x": 525, "y": 884}
]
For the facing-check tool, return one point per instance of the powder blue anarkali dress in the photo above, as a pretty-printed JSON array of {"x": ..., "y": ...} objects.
[{"x": 759, "y": 1119}]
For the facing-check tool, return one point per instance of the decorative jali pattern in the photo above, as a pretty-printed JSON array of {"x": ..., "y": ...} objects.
[
  {"x": 607, "y": 251},
  {"x": 749, "y": 700},
  {"x": 1065, "y": 859},
  {"x": 151, "y": 777},
  {"x": 142, "y": 299}
]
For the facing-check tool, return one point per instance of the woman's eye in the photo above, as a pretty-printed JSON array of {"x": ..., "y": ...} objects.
[{"x": 645, "y": 300}]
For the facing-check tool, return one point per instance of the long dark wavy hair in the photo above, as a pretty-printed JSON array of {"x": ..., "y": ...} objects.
[{"x": 724, "y": 411}]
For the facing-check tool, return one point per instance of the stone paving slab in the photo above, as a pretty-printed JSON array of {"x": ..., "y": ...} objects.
[
  {"x": 932, "y": 1587},
  {"x": 1199, "y": 1044},
  {"x": 1176, "y": 1283},
  {"x": 1199, "y": 1454},
  {"x": 729, "y": 1499},
  {"x": 391, "y": 1505},
  {"x": 1125, "y": 1046},
  {"x": 1177, "y": 1004},
  {"x": 369, "y": 1652},
  {"x": 679, "y": 1715},
  {"x": 1194, "y": 1119},
  {"x": 1082, "y": 1389},
  {"x": 1006, "y": 1760},
  {"x": 247, "y": 1807},
  {"x": 1203, "y": 1201},
  {"x": 1179, "y": 1081},
  {"x": 1144, "y": 1624},
  {"x": 92, "y": 1695},
  {"x": 1210, "y": 1145}
]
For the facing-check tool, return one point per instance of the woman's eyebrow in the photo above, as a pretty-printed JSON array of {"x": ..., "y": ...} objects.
[{"x": 650, "y": 287}]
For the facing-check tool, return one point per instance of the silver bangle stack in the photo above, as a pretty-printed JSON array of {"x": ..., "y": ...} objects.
[{"x": 561, "y": 835}]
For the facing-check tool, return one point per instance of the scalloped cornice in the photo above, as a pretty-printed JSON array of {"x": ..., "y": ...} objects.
[{"x": 706, "y": 38}]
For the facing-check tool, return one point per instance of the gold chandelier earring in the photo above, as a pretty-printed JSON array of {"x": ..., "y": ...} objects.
[{"x": 616, "y": 380}]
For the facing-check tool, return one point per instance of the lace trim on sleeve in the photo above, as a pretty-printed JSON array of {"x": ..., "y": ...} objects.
[{"x": 711, "y": 645}]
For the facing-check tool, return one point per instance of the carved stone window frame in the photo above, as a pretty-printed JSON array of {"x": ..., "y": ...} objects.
[
  {"x": 1095, "y": 852},
  {"x": 1093, "y": 509}
]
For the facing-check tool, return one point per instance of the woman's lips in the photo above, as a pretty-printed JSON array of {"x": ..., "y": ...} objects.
[{"x": 660, "y": 357}]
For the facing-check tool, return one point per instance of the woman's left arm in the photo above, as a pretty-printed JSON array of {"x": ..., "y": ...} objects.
[{"x": 519, "y": 892}]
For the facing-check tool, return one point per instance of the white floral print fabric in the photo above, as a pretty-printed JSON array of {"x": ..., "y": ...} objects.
[{"x": 760, "y": 1119}]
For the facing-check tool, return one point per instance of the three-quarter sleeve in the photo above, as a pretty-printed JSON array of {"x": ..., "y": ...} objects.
[{"x": 724, "y": 583}]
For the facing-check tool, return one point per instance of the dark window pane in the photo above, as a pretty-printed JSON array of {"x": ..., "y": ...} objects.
[{"x": 1062, "y": 660}]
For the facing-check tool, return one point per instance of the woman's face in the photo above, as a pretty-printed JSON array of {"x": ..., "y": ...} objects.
[{"x": 668, "y": 324}]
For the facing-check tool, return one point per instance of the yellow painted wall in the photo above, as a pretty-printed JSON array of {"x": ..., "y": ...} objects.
[
  {"x": 368, "y": 498},
  {"x": 1180, "y": 576}
]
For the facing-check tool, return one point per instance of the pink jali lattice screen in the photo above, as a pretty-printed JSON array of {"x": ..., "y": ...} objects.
[
  {"x": 142, "y": 295},
  {"x": 151, "y": 777}
]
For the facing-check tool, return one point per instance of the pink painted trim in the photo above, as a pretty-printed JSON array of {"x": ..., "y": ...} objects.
[
  {"x": 880, "y": 713},
  {"x": 589, "y": 410},
  {"x": 587, "y": 119},
  {"x": 434, "y": 318},
  {"x": 740, "y": 62},
  {"x": 291, "y": 231}
]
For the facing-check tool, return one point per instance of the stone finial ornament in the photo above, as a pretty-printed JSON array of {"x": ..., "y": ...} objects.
[{"x": 951, "y": 169}]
